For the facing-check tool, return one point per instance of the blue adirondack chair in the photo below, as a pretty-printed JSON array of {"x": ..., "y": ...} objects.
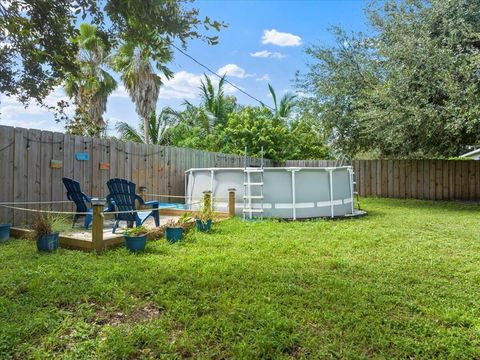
[
  {"x": 122, "y": 194},
  {"x": 75, "y": 194}
]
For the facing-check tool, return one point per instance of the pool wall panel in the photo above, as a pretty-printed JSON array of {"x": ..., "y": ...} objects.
[{"x": 312, "y": 190}]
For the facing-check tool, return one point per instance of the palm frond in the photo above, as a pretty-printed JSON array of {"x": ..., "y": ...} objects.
[
  {"x": 128, "y": 133},
  {"x": 274, "y": 96}
]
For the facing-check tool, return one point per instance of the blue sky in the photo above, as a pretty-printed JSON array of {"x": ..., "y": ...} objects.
[{"x": 264, "y": 43}]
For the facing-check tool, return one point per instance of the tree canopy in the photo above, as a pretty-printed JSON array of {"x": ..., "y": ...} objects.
[
  {"x": 218, "y": 123},
  {"x": 37, "y": 53},
  {"x": 410, "y": 88}
]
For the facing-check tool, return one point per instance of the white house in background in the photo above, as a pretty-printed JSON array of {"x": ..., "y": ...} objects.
[{"x": 474, "y": 154}]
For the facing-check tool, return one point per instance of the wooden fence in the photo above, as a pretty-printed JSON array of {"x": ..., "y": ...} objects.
[
  {"x": 417, "y": 179},
  {"x": 33, "y": 162}
]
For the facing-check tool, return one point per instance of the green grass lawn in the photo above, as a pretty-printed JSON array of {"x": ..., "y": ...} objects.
[{"x": 402, "y": 282}]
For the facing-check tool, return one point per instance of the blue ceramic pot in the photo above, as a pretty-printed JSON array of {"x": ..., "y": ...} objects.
[
  {"x": 48, "y": 242},
  {"x": 203, "y": 226},
  {"x": 136, "y": 243},
  {"x": 4, "y": 232},
  {"x": 173, "y": 234}
]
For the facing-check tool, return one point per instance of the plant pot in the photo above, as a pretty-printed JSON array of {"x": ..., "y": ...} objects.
[
  {"x": 173, "y": 234},
  {"x": 203, "y": 226},
  {"x": 135, "y": 243},
  {"x": 4, "y": 232},
  {"x": 48, "y": 242}
]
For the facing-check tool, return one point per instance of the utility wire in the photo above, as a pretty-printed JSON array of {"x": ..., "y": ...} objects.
[{"x": 226, "y": 80}]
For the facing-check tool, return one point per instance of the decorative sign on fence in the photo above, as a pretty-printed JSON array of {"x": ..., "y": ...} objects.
[
  {"x": 104, "y": 166},
  {"x": 81, "y": 156},
  {"x": 56, "y": 164}
]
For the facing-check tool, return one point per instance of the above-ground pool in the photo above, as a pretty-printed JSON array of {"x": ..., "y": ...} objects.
[
  {"x": 174, "y": 206},
  {"x": 288, "y": 192}
]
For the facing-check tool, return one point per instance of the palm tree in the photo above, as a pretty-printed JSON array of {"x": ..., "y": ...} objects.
[
  {"x": 286, "y": 106},
  {"x": 140, "y": 79},
  {"x": 157, "y": 128},
  {"x": 215, "y": 104},
  {"x": 92, "y": 84}
]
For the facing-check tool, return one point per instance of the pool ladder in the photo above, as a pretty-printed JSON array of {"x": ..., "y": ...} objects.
[
  {"x": 355, "y": 191},
  {"x": 252, "y": 177}
]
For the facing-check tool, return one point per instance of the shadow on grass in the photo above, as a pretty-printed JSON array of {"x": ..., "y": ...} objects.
[{"x": 416, "y": 204}]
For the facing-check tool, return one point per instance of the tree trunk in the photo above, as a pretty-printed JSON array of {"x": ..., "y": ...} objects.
[{"x": 146, "y": 129}]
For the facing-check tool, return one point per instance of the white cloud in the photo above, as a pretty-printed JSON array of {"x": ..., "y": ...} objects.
[
  {"x": 265, "y": 77},
  {"x": 120, "y": 92},
  {"x": 34, "y": 116},
  {"x": 275, "y": 37},
  {"x": 114, "y": 120},
  {"x": 268, "y": 54},
  {"x": 185, "y": 85},
  {"x": 234, "y": 71}
]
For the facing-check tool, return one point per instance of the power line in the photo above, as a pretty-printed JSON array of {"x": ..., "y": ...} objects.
[{"x": 226, "y": 80}]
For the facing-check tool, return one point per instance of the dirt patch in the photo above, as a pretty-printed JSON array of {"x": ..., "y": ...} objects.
[
  {"x": 294, "y": 352},
  {"x": 176, "y": 332},
  {"x": 145, "y": 313},
  {"x": 148, "y": 312}
]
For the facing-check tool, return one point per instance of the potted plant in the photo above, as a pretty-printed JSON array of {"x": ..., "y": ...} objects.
[
  {"x": 4, "y": 232},
  {"x": 44, "y": 234},
  {"x": 203, "y": 221},
  {"x": 136, "y": 238},
  {"x": 174, "y": 230}
]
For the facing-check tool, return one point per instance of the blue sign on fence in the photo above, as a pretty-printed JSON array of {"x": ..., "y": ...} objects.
[{"x": 81, "y": 156}]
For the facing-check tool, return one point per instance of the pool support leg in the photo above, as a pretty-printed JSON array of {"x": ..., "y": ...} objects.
[
  {"x": 97, "y": 225},
  {"x": 231, "y": 203}
]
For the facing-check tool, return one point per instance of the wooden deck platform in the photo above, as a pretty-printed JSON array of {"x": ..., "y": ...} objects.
[{"x": 81, "y": 239}]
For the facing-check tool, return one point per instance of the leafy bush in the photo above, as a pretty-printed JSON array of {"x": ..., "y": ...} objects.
[
  {"x": 46, "y": 224},
  {"x": 136, "y": 231}
]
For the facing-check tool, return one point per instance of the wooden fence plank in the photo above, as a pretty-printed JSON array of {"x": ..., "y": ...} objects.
[
  {"x": 68, "y": 165},
  {"x": 477, "y": 184},
  {"x": 471, "y": 180},
  {"x": 420, "y": 171},
  {"x": 426, "y": 179},
  {"x": 445, "y": 180},
  {"x": 121, "y": 159},
  {"x": 128, "y": 160},
  {"x": 401, "y": 178},
  {"x": 465, "y": 179},
  {"x": 88, "y": 166},
  {"x": 57, "y": 174},
  {"x": 77, "y": 164},
  {"x": 408, "y": 175},
  {"x": 391, "y": 187},
  {"x": 95, "y": 166},
  {"x": 34, "y": 166},
  {"x": 373, "y": 177},
  {"x": 396, "y": 179},
  {"x": 432, "y": 179},
  {"x": 7, "y": 160},
  {"x": 362, "y": 178},
  {"x": 45, "y": 171},
  {"x": 378, "y": 180},
  {"x": 384, "y": 179},
  {"x": 20, "y": 173},
  {"x": 458, "y": 181},
  {"x": 438, "y": 180}
]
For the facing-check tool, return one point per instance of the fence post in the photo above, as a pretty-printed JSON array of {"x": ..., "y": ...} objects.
[
  {"x": 97, "y": 225},
  {"x": 207, "y": 199},
  {"x": 231, "y": 202}
]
